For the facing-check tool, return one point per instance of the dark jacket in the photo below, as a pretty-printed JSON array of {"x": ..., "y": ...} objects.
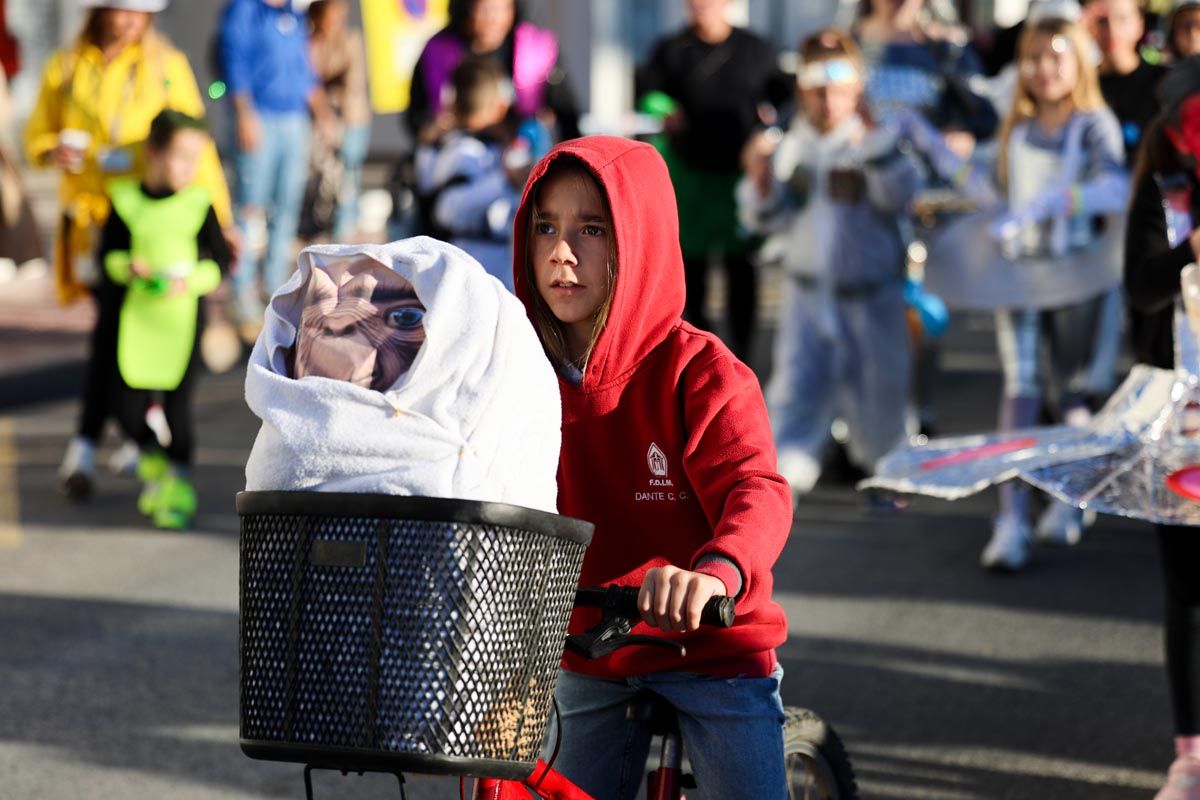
[{"x": 1152, "y": 268}]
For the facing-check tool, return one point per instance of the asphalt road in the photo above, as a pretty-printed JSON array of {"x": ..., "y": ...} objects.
[{"x": 118, "y": 643}]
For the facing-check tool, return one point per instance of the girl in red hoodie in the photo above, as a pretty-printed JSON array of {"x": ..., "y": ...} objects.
[{"x": 668, "y": 450}]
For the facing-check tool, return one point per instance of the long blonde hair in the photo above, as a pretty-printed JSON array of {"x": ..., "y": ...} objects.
[
  {"x": 548, "y": 327},
  {"x": 1085, "y": 95}
]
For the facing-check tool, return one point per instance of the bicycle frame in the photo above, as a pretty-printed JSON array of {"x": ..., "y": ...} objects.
[
  {"x": 664, "y": 783},
  {"x": 545, "y": 783},
  {"x": 619, "y": 607}
]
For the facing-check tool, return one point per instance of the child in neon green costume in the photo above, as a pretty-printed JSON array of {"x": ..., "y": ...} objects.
[{"x": 163, "y": 243}]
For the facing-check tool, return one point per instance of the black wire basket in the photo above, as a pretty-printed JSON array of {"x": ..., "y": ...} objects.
[{"x": 401, "y": 633}]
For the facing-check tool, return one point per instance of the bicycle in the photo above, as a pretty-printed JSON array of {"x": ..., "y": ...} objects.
[
  {"x": 816, "y": 762},
  {"x": 399, "y": 634},
  {"x": 817, "y": 765}
]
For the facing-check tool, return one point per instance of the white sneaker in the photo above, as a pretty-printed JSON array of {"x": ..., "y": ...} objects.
[
  {"x": 799, "y": 469},
  {"x": 156, "y": 418},
  {"x": 1008, "y": 550},
  {"x": 124, "y": 460},
  {"x": 1063, "y": 524},
  {"x": 77, "y": 473}
]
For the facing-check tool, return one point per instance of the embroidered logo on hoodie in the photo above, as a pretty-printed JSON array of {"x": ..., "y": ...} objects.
[{"x": 656, "y": 459}]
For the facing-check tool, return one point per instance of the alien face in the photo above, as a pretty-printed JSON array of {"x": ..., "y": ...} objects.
[{"x": 361, "y": 323}]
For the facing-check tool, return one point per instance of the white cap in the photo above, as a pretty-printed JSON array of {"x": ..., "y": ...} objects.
[
  {"x": 148, "y": 6},
  {"x": 1070, "y": 10}
]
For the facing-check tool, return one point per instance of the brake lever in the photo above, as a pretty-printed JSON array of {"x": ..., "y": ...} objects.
[
  {"x": 611, "y": 633},
  {"x": 592, "y": 646}
]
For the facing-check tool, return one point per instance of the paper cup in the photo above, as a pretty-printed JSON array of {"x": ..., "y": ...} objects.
[{"x": 74, "y": 139}]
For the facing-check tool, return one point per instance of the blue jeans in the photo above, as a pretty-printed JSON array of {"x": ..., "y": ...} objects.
[
  {"x": 353, "y": 153},
  {"x": 271, "y": 180},
  {"x": 732, "y": 733}
]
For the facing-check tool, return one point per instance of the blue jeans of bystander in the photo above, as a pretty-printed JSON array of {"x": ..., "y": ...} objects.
[
  {"x": 353, "y": 153},
  {"x": 270, "y": 184}
]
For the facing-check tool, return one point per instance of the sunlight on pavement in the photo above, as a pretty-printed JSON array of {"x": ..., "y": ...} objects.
[
  {"x": 895, "y": 791},
  {"x": 196, "y": 573},
  {"x": 1013, "y": 762},
  {"x": 933, "y": 670},
  {"x": 10, "y": 506},
  {"x": 198, "y": 733},
  {"x": 934, "y": 628}
]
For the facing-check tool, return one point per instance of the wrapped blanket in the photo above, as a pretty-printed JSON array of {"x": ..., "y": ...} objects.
[{"x": 473, "y": 412}]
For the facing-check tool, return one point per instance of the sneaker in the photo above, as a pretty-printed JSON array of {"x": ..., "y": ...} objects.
[
  {"x": 1008, "y": 550},
  {"x": 1063, "y": 524},
  {"x": 77, "y": 473},
  {"x": 176, "y": 503},
  {"x": 124, "y": 460},
  {"x": 156, "y": 418},
  {"x": 800, "y": 470},
  {"x": 1183, "y": 780},
  {"x": 152, "y": 468}
]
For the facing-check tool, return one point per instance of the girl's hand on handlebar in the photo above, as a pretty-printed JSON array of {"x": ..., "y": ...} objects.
[{"x": 672, "y": 598}]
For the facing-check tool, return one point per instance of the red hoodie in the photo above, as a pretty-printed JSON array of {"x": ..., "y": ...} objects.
[{"x": 666, "y": 443}]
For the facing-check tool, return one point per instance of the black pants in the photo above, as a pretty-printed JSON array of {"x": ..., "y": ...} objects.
[
  {"x": 177, "y": 407},
  {"x": 1180, "y": 551},
  {"x": 101, "y": 385},
  {"x": 741, "y": 302}
]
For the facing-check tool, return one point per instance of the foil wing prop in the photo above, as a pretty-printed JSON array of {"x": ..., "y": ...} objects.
[
  {"x": 1139, "y": 457},
  {"x": 969, "y": 271}
]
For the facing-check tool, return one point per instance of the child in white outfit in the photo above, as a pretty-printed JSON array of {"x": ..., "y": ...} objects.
[{"x": 832, "y": 192}]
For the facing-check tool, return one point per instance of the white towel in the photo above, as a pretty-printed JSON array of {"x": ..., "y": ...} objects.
[{"x": 476, "y": 417}]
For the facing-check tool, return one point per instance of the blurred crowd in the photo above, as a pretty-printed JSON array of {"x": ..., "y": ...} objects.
[{"x": 887, "y": 150}]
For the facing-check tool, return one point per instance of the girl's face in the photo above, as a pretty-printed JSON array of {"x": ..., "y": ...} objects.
[
  {"x": 1050, "y": 69},
  {"x": 826, "y": 107},
  {"x": 490, "y": 23},
  {"x": 570, "y": 249}
]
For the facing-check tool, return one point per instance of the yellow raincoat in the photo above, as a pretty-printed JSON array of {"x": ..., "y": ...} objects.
[{"x": 114, "y": 103}]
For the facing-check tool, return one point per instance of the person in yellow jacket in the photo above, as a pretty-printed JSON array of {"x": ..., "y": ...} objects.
[{"x": 98, "y": 97}]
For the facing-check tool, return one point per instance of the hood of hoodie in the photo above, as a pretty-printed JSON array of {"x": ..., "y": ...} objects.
[{"x": 649, "y": 289}]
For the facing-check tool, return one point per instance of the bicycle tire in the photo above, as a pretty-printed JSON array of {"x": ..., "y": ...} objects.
[{"x": 818, "y": 767}]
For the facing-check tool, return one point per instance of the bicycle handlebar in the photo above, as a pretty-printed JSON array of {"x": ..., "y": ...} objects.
[
  {"x": 619, "y": 612},
  {"x": 719, "y": 612}
]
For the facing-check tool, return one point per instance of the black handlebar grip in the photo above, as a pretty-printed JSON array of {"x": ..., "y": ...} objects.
[{"x": 718, "y": 612}]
